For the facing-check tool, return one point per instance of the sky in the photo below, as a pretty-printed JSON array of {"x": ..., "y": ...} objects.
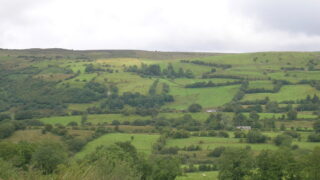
[{"x": 162, "y": 25}]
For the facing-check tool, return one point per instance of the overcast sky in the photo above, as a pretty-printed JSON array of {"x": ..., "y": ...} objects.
[{"x": 165, "y": 25}]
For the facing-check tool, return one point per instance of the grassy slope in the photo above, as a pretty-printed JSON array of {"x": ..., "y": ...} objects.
[{"x": 143, "y": 142}]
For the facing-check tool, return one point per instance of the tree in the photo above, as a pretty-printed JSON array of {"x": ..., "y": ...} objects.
[
  {"x": 217, "y": 152},
  {"x": 256, "y": 137},
  {"x": 283, "y": 140},
  {"x": 312, "y": 165},
  {"x": 194, "y": 108},
  {"x": 292, "y": 115},
  {"x": 6, "y": 129},
  {"x": 48, "y": 156},
  {"x": 235, "y": 164},
  {"x": 84, "y": 118},
  {"x": 277, "y": 165},
  {"x": 316, "y": 126},
  {"x": 167, "y": 168}
]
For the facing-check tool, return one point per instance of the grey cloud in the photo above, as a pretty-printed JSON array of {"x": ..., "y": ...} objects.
[{"x": 297, "y": 16}]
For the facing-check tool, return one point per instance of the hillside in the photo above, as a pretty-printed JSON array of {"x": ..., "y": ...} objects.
[{"x": 194, "y": 101}]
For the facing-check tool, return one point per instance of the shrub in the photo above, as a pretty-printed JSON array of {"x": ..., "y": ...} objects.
[
  {"x": 6, "y": 130},
  {"x": 293, "y": 134},
  {"x": 283, "y": 140},
  {"x": 223, "y": 134},
  {"x": 239, "y": 134},
  {"x": 217, "y": 151},
  {"x": 48, "y": 156},
  {"x": 256, "y": 137},
  {"x": 314, "y": 138},
  {"x": 194, "y": 108}
]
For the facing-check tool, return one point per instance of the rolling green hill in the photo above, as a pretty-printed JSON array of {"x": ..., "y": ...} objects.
[{"x": 179, "y": 104}]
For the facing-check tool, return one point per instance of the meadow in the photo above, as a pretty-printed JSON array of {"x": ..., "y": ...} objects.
[{"x": 143, "y": 142}]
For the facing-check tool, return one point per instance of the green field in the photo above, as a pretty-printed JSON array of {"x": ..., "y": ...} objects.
[
  {"x": 207, "y": 97},
  {"x": 209, "y": 143},
  {"x": 212, "y": 175},
  {"x": 143, "y": 142},
  {"x": 287, "y": 93}
]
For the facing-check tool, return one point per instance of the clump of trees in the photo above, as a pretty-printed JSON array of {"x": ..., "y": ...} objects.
[
  {"x": 194, "y": 108},
  {"x": 237, "y": 163},
  {"x": 211, "y": 84},
  {"x": 203, "y": 63},
  {"x": 49, "y": 160},
  {"x": 155, "y": 70},
  {"x": 254, "y": 136},
  {"x": 315, "y": 137}
]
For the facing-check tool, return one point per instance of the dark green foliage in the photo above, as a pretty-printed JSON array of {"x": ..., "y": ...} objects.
[
  {"x": 223, "y": 134},
  {"x": 155, "y": 70},
  {"x": 239, "y": 134},
  {"x": 165, "y": 88},
  {"x": 48, "y": 156},
  {"x": 211, "y": 84},
  {"x": 76, "y": 144},
  {"x": 165, "y": 168},
  {"x": 215, "y": 121},
  {"x": 240, "y": 94},
  {"x": 217, "y": 152},
  {"x": 292, "y": 115},
  {"x": 136, "y": 100},
  {"x": 194, "y": 108},
  {"x": 277, "y": 165},
  {"x": 4, "y": 117},
  {"x": 256, "y": 137},
  {"x": 6, "y": 129},
  {"x": 316, "y": 126},
  {"x": 153, "y": 87},
  {"x": 293, "y": 134},
  {"x": 235, "y": 164},
  {"x": 169, "y": 150},
  {"x": 192, "y": 147},
  {"x": 203, "y": 63},
  {"x": 312, "y": 165},
  {"x": 19, "y": 155},
  {"x": 314, "y": 137},
  {"x": 283, "y": 140},
  {"x": 179, "y": 134}
]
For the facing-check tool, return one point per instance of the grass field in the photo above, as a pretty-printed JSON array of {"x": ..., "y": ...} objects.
[
  {"x": 210, "y": 175},
  {"x": 261, "y": 84},
  {"x": 143, "y": 142},
  {"x": 32, "y": 135},
  {"x": 209, "y": 143},
  {"x": 287, "y": 93},
  {"x": 207, "y": 97},
  {"x": 93, "y": 118}
]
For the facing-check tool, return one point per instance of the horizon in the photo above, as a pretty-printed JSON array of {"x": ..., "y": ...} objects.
[{"x": 209, "y": 52}]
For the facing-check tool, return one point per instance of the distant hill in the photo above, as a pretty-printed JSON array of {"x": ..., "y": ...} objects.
[{"x": 93, "y": 54}]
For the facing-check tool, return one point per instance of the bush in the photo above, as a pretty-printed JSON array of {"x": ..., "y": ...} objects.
[
  {"x": 75, "y": 145},
  {"x": 72, "y": 123},
  {"x": 283, "y": 140},
  {"x": 6, "y": 130},
  {"x": 194, "y": 108},
  {"x": 217, "y": 151},
  {"x": 179, "y": 134},
  {"x": 256, "y": 137},
  {"x": 169, "y": 150},
  {"x": 48, "y": 156},
  {"x": 239, "y": 134},
  {"x": 314, "y": 138},
  {"x": 293, "y": 134},
  {"x": 223, "y": 134}
]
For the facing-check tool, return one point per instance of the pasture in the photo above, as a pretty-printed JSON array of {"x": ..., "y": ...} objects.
[{"x": 143, "y": 142}]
